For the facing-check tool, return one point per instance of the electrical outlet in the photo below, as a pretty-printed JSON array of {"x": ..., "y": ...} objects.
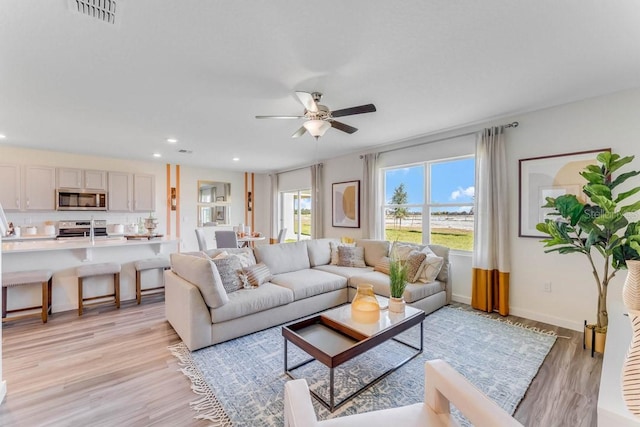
[{"x": 547, "y": 286}]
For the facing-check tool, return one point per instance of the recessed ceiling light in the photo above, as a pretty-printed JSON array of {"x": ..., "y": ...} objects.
[
  {"x": 235, "y": 159},
  {"x": 157, "y": 155},
  {"x": 172, "y": 140},
  {"x": 2, "y": 136}
]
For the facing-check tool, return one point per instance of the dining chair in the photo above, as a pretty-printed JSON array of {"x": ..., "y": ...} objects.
[
  {"x": 202, "y": 242},
  {"x": 226, "y": 239},
  {"x": 282, "y": 235}
]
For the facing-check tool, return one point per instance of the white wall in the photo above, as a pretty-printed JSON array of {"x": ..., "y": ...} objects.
[{"x": 607, "y": 121}]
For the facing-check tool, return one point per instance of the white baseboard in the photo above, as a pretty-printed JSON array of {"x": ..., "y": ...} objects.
[
  {"x": 531, "y": 315},
  {"x": 3, "y": 390}
]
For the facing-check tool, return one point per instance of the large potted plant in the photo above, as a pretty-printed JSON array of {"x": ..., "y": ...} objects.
[{"x": 599, "y": 224}]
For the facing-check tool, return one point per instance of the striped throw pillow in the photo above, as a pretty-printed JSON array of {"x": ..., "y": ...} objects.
[
  {"x": 257, "y": 274},
  {"x": 383, "y": 265}
]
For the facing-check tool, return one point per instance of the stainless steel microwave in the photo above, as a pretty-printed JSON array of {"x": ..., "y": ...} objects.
[{"x": 80, "y": 200}]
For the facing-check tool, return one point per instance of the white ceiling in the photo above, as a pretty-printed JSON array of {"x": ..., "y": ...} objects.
[{"x": 200, "y": 71}]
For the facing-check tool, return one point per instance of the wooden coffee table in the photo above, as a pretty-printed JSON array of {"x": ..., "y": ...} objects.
[{"x": 334, "y": 337}]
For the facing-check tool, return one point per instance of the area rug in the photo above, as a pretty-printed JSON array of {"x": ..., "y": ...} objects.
[{"x": 241, "y": 382}]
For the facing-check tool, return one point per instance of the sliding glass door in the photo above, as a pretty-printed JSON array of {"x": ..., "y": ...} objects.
[{"x": 296, "y": 214}]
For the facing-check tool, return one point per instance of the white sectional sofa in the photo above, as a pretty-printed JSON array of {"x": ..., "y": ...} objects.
[{"x": 303, "y": 282}]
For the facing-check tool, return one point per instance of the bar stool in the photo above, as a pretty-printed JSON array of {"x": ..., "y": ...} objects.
[
  {"x": 149, "y": 264},
  {"x": 93, "y": 270},
  {"x": 20, "y": 278}
]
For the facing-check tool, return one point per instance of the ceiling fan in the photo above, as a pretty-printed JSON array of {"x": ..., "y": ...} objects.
[{"x": 319, "y": 118}]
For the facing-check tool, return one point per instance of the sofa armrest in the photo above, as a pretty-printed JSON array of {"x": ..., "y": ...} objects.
[
  {"x": 298, "y": 409},
  {"x": 186, "y": 311},
  {"x": 443, "y": 384}
]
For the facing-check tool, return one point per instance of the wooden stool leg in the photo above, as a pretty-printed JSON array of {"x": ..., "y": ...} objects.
[
  {"x": 4, "y": 302},
  {"x": 138, "y": 286},
  {"x": 49, "y": 303},
  {"x": 79, "y": 296},
  {"x": 116, "y": 285},
  {"x": 45, "y": 301}
]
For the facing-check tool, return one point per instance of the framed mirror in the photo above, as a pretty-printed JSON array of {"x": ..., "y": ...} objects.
[
  {"x": 213, "y": 192},
  {"x": 214, "y": 203}
]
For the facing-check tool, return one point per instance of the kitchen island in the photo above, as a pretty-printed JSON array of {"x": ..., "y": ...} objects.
[{"x": 63, "y": 256}]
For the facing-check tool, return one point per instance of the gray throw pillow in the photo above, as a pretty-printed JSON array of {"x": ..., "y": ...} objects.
[
  {"x": 349, "y": 256},
  {"x": 230, "y": 268}
]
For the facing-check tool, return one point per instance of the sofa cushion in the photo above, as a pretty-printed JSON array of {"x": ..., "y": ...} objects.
[
  {"x": 309, "y": 282},
  {"x": 248, "y": 301},
  {"x": 202, "y": 273},
  {"x": 380, "y": 281},
  {"x": 320, "y": 251},
  {"x": 284, "y": 257},
  {"x": 374, "y": 250},
  {"x": 343, "y": 271},
  {"x": 402, "y": 250},
  {"x": 351, "y": 257}
]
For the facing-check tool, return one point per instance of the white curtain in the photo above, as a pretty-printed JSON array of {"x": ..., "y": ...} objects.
[
  {"x": 317, "y": 190},
  {"x": 371, "y": 217},
  {"x": 491, "y": 263},
  {"x": 275, "y": 219}
]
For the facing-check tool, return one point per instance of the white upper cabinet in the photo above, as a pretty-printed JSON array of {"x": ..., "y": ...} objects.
[
  {"x": 82, "y": 179},
  {"x": 40, "y": 188},
  {"x": 144, "y": 193},
  {"x": 10, "y": 187},
  {"x": 120, "y": 191}
]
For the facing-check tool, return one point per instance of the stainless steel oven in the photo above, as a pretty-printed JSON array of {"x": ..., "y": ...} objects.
[{"x": 80, "y": 200}]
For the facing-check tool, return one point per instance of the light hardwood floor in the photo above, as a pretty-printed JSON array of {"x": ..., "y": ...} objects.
[{"x": 112, "y": 367}]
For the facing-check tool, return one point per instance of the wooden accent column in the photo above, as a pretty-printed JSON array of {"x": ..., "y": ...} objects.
[
  {"x": 168, "y": 198},
  {"x": 249, "y": 197}
]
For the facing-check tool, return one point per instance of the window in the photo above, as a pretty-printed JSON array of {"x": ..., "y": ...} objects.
[
  {"x": 431, "y": 202},
  {"x": 296, "y": 214}
]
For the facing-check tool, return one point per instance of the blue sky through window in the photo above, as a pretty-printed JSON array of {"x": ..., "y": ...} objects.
[{"x": 452, "y": 182}]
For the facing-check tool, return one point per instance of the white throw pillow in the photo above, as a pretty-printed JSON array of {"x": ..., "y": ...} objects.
[
  {"x": 430, "y": 267},
  {"x": 201, "y": 272}
]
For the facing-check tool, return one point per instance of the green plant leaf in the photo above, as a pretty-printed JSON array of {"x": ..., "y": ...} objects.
[
  {"x": 626, "y": 194},
  {"x": 623, "y": 177},
  {"x": 630, "y": 208},
  {"x": 594, "y": 177},
  {"x": 617, "y": 162},
  {"x": 599, "y": 190},
  {"x": 605, "y": 203}
]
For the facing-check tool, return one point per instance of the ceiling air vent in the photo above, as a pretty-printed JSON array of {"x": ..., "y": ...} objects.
[
  {"x": 183, "y": 151},
  {"x": 103, "y": 10}
]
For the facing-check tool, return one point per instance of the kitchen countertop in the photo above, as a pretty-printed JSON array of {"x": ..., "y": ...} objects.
[{"x": 37, "y": 245}]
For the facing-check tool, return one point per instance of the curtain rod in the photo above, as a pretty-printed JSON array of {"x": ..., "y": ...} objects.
[
  {"x": 297, "y": 169},
  {"x": 508, "y": 125}
]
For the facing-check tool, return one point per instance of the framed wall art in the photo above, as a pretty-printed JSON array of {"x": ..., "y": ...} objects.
[
  {"x": 549, "y": 176},
  {"x": 345, "y": 204}
]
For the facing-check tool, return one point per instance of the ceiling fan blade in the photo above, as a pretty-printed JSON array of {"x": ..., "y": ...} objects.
[
  {"x": 307, "y": 100},
  {"x": 279, "y": 117},
  {"x": 299, "y": 132},
  {"x": 344, "y": 128},
  {"x": 368, "y": 108}
]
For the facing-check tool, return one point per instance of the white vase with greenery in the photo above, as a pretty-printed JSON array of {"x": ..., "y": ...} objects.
[{"x": 398, "y": 283}]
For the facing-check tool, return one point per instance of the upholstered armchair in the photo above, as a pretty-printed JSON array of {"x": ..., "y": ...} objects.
[{"x": 443, "y": 385}]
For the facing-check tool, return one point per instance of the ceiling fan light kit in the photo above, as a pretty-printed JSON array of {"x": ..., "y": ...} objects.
[
  {"x": 320, "y": 118},
  {"x": 316, "y": 128}
]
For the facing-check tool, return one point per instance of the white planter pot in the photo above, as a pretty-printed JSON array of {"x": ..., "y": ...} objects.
[{"x": 396, "y": 305}]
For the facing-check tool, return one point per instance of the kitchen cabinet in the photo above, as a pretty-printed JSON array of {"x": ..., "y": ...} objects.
[
  {"x": 10, "y": 188},
  {"x": 132, "y": 192},
  {"x": 144, "y": 193},
  {"x": 120, "y": 191},
  {"x": 82, "y": 179},
  {"x": 39, "y": 188}
]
